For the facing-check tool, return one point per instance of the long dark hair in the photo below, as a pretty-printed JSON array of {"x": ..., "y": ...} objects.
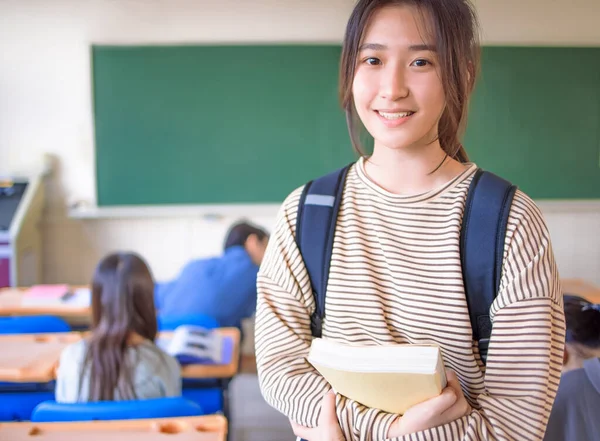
[
  {"x": 454, "y": 26},
  {"x": 582, "y": 321},
  {"x": 122, "y": 303}
]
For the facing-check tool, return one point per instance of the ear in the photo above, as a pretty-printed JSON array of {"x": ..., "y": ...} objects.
[
  {"x": 251, "y": 242},
  {"x": 470, "y": 75}
]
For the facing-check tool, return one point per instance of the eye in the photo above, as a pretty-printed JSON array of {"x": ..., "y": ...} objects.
[
  {"x": 421, "y": 63},
  {"x": 372, "y": 61}
]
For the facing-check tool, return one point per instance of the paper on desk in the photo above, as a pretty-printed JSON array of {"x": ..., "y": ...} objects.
[
  {"x": 40, "y": 295},
  {"x": 81, "y": 298},
  {"x": 47, "y": 291}
]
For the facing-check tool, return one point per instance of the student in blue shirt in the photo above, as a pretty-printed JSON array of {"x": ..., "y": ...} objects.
[{"x": 221, "y": 287}]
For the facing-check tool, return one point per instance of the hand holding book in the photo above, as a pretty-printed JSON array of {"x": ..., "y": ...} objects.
[
  {"x": 408, "y": 380},
  {"x": 450, "y": 405},
  {"x": 392, "y": 378},
  {"x": 328, "y": 428}
]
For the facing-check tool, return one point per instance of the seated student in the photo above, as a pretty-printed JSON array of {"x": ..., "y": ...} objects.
[
  {"x": 221, "y": 287},
  {"x": 576, "y": 411},
  {"x": 119, "y": 360}
]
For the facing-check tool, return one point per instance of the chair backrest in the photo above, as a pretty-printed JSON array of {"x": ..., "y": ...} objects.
[
  {"x": 49, "y": 411},
  {"x": 33, "y": 324},
  {"x": 170, "y": 323}
]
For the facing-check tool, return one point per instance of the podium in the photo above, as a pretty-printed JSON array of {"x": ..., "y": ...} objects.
[{"x": 21, "y": 206}]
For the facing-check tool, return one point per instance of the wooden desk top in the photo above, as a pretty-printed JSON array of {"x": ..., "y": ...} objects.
[
  {"x": 581, "y": 288},
  {"x": 32, "y": 357},
  {"x": 35, "y": 357},
  {"x": 202, "y": 428}
]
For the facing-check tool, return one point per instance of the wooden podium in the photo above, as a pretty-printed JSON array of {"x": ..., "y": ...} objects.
[{"x": 21, "y": 205}]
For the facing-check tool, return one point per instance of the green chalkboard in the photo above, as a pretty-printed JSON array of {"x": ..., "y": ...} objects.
[
  {"x": 246, "y": 124},
  {"x": 535, "y": 120}
]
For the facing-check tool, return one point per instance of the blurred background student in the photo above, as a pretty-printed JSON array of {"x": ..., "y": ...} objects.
[
  {"x": 119, "y": 360},
  {"x": 221, "y": 287},
  {"x": 576, "y": 411}
]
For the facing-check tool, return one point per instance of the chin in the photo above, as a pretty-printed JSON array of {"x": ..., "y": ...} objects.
[{"x": 396, "y": 143}]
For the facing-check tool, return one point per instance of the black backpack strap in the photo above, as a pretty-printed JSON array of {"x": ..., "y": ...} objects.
[
  {"x": 315, "y": 229},
  {"x": 482, "y": 249}
]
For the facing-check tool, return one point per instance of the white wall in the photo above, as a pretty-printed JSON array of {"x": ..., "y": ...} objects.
[
  {"x": 45, "y": 107},
  {"x": 540, "y": 22}
]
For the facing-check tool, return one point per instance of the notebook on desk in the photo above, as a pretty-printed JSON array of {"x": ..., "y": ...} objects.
[
  {"x": 196, "y": 345},
  {"x": 43, "y": 295}
]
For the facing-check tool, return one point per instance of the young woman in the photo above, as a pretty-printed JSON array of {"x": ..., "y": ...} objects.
[
  {"x": 407, "y": 71},
  {"x": 576, "y": 409},
  {"x": 119, "y": 360}
]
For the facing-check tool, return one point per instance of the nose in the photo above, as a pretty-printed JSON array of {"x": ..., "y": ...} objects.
[{"x": 393, "y": 84}]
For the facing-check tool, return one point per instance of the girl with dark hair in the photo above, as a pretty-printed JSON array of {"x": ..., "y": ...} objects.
[
  {"x": 576, "y": 411},
  {"x": 119, "y": 360},
  {"x": 407, "y": 71}
]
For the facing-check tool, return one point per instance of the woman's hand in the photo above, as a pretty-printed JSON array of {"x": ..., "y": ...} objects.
[
  {"x": 450, "y": 405},
  {"x": 328, "y": 428}
]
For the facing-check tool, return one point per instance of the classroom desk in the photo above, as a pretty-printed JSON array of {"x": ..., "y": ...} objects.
[
  {"x": 199, "y": 371},
  {"x": 11, "y": 304},
  {"x": 33, "y": 358},
  {"x": 201, "y": 428},
  {"x": 581, "y": 288}
]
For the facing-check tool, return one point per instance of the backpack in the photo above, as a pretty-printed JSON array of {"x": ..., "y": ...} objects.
[{"x": 481, "y": 243}]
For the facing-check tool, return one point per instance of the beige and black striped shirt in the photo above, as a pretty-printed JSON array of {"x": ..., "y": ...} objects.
[{"x": 396, "y": 277}]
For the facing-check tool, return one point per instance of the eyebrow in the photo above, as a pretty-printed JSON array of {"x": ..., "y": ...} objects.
[
  {"x": 422, "y": 47},
  {"x": 412, "y": 48},
  {"x": 372, "y": 46}
]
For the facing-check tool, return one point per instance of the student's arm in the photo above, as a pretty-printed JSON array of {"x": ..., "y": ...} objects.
[
  {"x": 526, "y": 347},
  {"x": 285, "y": 303}
]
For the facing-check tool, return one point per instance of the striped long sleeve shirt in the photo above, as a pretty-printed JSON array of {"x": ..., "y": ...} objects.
[{"x": 395, "y": 277}]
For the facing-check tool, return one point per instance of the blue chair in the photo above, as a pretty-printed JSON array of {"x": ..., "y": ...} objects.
[
  {"x": 18, "y": 406},
  {"x": 212, "y": 394},
  {"x": 170, "y": 323},
  {"x": 212, "y": 400},
  {"x": 33, "y": 324},
  {"x": 49, "y": 411}
]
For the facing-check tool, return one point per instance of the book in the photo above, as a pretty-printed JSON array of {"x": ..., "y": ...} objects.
[
  {"x": 196, "y": 345},
  {"x": 392, "y": 378},
  {"x": 44, "y": 295}
]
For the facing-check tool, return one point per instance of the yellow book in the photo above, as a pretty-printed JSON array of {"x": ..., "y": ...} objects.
[{"x": 392, "y": 378}]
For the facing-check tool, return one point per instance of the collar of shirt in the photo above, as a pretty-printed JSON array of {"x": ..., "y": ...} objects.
[
  {"x": 592, "y": 370},
  {"x": 237, "y": 252}
]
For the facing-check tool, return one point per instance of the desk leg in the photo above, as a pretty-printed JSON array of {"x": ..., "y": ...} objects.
[{"x": 225, "y": 397}]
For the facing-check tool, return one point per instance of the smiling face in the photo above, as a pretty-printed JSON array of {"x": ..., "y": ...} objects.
[{"x": 397, "y": 89}]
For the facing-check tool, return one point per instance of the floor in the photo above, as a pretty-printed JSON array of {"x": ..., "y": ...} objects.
[{"x": 252, "y": 419}]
